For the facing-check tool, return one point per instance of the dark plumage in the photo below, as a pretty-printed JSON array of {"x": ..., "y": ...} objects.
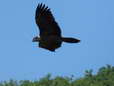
[{"x": 50, "y": 33}]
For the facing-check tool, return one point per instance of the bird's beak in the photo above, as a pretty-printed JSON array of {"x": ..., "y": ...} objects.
[{"x": 35, "y": 39}]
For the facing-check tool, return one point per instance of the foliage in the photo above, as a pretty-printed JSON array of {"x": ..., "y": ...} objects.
[{"x": 104, "y": 77}]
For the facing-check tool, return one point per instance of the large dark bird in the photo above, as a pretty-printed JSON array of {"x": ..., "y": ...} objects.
[{"x": 50, "y": 33}]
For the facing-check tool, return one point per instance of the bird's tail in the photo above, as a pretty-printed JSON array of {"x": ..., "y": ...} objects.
[{"x": 70, "y": 40}]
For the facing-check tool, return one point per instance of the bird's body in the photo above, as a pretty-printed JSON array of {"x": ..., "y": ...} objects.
[
  {"x": 50, "y": 43},
  {"x": 50, "y": 33}
]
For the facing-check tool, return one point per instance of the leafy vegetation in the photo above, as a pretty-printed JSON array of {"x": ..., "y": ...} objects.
[{"x": 104, "y": 77}]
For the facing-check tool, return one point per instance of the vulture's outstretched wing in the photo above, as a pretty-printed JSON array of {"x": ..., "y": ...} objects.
[{"x": 46, "y": 22}]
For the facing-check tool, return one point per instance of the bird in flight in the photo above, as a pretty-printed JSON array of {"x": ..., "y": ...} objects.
[{"x": 50, "y": 37}]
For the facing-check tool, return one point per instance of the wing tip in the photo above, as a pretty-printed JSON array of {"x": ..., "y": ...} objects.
[{"x": 42, "y": 6}]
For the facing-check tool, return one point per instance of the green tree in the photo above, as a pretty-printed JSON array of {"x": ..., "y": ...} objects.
[{"x": 104, "y": 77}]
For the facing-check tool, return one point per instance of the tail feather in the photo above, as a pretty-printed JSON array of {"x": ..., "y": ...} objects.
[{"x": 70, "y": 40}]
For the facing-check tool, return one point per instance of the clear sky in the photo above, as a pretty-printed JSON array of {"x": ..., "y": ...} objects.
[{"x": 92, "y": 21}]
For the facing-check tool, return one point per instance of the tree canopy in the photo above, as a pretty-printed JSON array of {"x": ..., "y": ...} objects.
[{"x": 104, "y": 77}]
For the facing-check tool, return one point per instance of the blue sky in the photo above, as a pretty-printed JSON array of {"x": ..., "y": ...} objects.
[{"x": 90, "y": 20}]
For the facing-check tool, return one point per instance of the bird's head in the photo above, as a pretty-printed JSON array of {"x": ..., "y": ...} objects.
[{"x": 36, "y": 39}]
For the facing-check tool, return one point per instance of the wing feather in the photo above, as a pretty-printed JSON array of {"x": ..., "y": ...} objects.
[{"x": 46, "y": 22}]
